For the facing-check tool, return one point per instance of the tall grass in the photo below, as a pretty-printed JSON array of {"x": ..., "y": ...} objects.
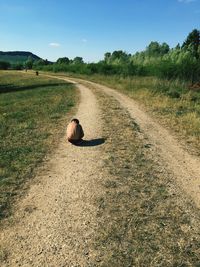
[{"x": 32, "y": 116}]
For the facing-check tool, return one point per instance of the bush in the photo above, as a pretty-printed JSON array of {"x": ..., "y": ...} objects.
[{"x": 4, "y": 65}]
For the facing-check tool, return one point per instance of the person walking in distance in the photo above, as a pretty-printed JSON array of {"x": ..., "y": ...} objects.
[{"x": 75, "y": 132}]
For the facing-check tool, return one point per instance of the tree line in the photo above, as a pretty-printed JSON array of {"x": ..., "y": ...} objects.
[{"x": 181, "y": 62}]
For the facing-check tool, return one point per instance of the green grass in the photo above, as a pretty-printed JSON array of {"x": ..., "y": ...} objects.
[{"x": 32, "y": 118}]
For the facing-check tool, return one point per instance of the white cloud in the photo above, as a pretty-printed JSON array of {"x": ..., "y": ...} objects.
[
  {"x": 186, "y": 1},
  {"x": 54, "y": 44}
]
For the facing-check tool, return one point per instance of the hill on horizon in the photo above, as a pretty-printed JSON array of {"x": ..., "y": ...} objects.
[{"x": 16, "y": 57}]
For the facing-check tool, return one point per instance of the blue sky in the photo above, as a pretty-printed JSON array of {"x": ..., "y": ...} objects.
[{"x": 89, "y": 28}]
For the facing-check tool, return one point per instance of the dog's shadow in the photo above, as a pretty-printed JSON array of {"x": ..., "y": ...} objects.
[{"x": 92, "y": 142}]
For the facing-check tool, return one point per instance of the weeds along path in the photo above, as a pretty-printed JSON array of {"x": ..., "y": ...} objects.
[
  {"x": 55, "y": 223},
  {"x": 184, "y": 167}
]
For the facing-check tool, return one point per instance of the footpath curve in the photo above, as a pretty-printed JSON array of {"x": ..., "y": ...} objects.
[
  {"x": 184, "y": 168},
  {"x": 55, "y": 223}
]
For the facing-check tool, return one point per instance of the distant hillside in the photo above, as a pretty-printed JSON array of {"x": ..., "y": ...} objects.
[{"x": 15, "y": 57}]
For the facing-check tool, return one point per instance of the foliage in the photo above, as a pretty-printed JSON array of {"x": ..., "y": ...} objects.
[
  {"x": 193, "y": 43},
  {"x": 155, "y": 49},
  {"x": 18, "y": 66},
  {"x": 181, "y": 62},
  {"x": 63, "y": 60},
  {"x": 15, "y": 58},
  {"x": 78, "y": 60},
  {"x": 4, "y": 65}
]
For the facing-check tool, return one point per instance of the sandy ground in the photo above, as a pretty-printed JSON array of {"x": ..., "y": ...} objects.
[{"x": 55, "y": 223}]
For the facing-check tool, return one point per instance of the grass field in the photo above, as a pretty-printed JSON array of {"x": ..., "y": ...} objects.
[{"x": 32, "y": 117}]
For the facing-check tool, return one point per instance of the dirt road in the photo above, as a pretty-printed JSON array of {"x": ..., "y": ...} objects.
[
  {"x": 183, "y": 166},
  {"x": 56, "y": 223}
]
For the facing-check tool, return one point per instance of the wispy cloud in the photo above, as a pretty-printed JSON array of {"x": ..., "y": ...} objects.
[
  {"x": 186, "y": 1},
  {"x": 54, "y": 44},
  {"x": 84, "y": 40}
]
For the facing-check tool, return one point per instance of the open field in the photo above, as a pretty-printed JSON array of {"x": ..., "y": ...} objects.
[
  {"x": 108, "y": 203},
  {"x": 32, "y": 115}
]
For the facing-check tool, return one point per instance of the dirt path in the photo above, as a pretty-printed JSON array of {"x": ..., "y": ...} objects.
[
  {"x": 55, "y": 222},
  {"x": 185, "y": 168}
]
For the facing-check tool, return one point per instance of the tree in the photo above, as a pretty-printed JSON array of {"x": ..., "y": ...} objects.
[
  {"x": 40, "y": 62},
  {"x": 107, "y": 57},
  {"x": 18, "y": 66},
  {"x": 29, "y": 63},
  {"x": 78, "y": 60},
  {"x": 178, "y": 47},
  {"x": 119, "y": 56},
  {"x": 4, "y": 65},
  {"x": 63, "y": 60},
  {"x": 153, "y": 49},
  {"x": 192, "y": 42},
  {"x": 164, "y": 48}
]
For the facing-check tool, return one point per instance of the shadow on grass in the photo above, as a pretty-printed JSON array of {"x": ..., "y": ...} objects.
[
  {"x": 92, "y": 142},
  {"x": 8, "y": 88}
]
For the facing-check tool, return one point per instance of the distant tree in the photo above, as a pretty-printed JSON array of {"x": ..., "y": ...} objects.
[
  {"x": 29, "y": 63},
  {"x": 178, "y": 46},
  {"x": 107, "y": 57},
  {"x": 119, "y": 56},
  {"x": 192, "y": 42},
  {"x": 18, "y": 66},
  {"x": 46, "y": 62},
  {"x": 153, "y": 49},
  {"x": 63, "y": 60},
  {"x": 4, "y": 65},
  {"x": 78, "y": 60},
  {"x": 40, "y": 63},
  {"x": 198, "y": 52},
  {"x": 164, "y": 48}
]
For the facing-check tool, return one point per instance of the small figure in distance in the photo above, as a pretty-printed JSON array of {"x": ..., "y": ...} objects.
[
  {"x": 75, "y": 132},
  {"x": 37, "y": 73}
]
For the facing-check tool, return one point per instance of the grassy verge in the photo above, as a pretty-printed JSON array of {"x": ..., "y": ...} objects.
[
  {"x": 175, "y": 106},
  {"x": 32, "y": 117},
  {"x": 143, "y": 219}
]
